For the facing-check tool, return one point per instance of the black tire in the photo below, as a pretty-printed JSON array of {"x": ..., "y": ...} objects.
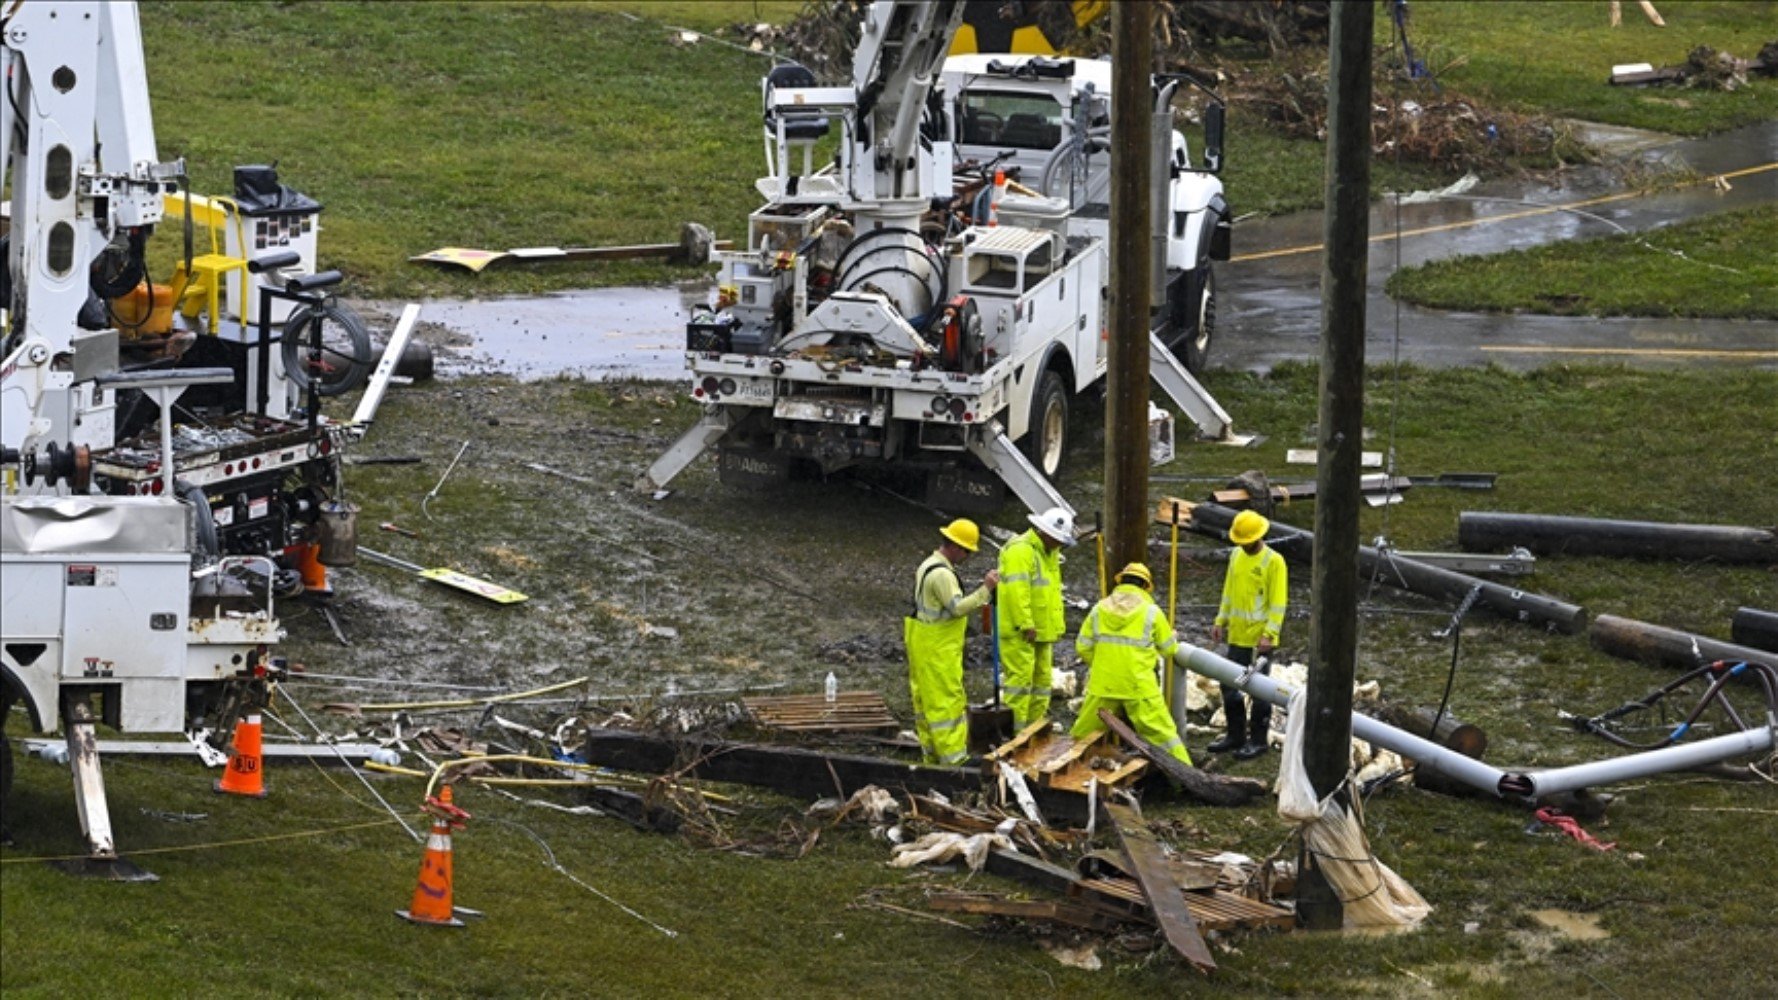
[
  {"x": 346, "y": 353},
  {"x": 1046, "y": 434},
  {"x": 1196, "y": 318}
]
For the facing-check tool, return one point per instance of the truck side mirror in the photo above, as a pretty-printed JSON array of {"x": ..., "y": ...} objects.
[{"x": 1213, "y": 124}]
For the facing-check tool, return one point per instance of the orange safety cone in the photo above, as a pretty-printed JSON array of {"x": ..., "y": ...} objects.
[
  {"x": 244, "y": 775},
  {"x": 998, "y": 193},
  {"x": 432, "y": 894}
]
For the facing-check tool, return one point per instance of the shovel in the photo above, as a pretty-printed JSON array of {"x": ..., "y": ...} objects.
[
  {"x": 990, "y": 725},
  {"x": 449, "y": 578}
]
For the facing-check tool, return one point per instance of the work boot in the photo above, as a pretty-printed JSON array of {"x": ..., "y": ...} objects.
[
  {"x": 1249, "y": 751},
  {"x": 1228, "y": 741}
]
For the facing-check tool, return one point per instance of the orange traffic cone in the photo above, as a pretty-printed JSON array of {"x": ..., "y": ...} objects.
[
  {"x": 308, "y": 563},
  {"x": 244, "y": 776},
  {"x": 432, "y": 895}
]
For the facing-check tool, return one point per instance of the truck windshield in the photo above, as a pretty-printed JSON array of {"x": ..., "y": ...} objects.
[{"x": 1011, "y": 120}]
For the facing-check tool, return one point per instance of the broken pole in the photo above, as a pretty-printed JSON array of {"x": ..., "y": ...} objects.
[
  {"x": 1165, "y": 899},
  {"x": 1634, "y": 640},
  {"x": 799, "y": 772},
  {"x": 1212, "y": 789},
  {"x": 1333, "y": 647},
  {"x": 1551, "y": 534},
  {"x": 1127, "y": 359},
  {"x": 1752, "y": 627},
  {"x": 1397, "y": 570}
]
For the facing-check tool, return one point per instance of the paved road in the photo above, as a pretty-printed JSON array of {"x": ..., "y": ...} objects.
[
  {"x": 1270, "y": 301},
  {"x": 1270, "y": 298}
]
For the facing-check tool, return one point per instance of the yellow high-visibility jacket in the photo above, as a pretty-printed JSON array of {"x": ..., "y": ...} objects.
[
  {"x": 1120, "y": 640},
  {"x": 1030, "y": 592},
  {"x": 1254, "y": 595}
]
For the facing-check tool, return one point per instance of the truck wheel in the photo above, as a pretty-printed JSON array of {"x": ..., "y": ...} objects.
[
  {"x": 1046, "y": 434},
  {"x": 1199, "y": 317}
]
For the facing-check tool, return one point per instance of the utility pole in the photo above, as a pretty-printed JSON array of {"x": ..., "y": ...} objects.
[
  {"x": 1126, "y": 376},
  {"x": 1334, "y": 625}
]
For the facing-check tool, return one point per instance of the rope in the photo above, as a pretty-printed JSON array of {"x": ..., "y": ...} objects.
[
  {"x": 213, "y": 844},
  {"x": 355, "y": 771}
]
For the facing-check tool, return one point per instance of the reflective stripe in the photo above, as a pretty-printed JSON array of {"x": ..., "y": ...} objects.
[
  {"x": 1017, "y": 692},
  {"x": 1124, "y": 640},
  {"x": 954, "y": 758},
  {"x": 1256, "y": 615},
  {"x": 946, "y": 724},
  {"x": 1170, "y": 744},
  {"x": 1015, "y": 578},
  {"x": 1169, "y": 649}
]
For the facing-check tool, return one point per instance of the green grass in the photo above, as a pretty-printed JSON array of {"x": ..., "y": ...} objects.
[
  {"x": 1720, "y": 266},
  {"x": 1556, "y": 58},
  {"x": 311, "y": 915}
]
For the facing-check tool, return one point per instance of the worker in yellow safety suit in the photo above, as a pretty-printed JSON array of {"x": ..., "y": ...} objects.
[
  {"x": 1123, "y": 639},
  {"x": 934, "y": 637},
  {"x": 1029, "y": 612},
  {"x": 1254, "y": 596}
]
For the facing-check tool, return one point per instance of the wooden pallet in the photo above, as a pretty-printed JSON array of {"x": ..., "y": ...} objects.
[
  {"x": 1062, "y": 762},
  {"x": 1215, "y": 910},
  {"x": 850, "y": 711}
]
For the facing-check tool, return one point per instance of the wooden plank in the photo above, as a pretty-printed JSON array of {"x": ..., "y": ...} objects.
[
  {"x": 1060, "y": 911},
  {"x": 1064, "y": 751},
  {"x": 1216, "y": 790},
  {"x": 1017, "y": 743},
  {"x": 849, "y": 711},
  {"x": 1165, "y": 900}
]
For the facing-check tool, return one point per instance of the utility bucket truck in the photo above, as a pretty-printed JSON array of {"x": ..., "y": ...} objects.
[
  {"x": 935, "y": 294},
  {"x": 137, "y": 576}
]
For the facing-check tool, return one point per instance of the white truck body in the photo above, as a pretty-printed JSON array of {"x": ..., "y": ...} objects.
[{"x": 888, "y": 308}]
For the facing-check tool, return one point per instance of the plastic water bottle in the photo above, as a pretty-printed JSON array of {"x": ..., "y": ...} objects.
[{"x": 833, "y": 688}]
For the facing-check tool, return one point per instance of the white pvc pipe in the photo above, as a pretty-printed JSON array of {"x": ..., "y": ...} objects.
[{"x": 1493, "y": 780}]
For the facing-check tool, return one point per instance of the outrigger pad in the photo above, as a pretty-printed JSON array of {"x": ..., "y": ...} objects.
[{"x": 106, "y": 869}]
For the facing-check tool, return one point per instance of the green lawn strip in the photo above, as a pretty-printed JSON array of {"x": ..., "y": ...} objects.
[
  {"x": 313, "y": 915},
  {"x": 1555, "y": 57},
  {"x": 1722, "y": 265}
]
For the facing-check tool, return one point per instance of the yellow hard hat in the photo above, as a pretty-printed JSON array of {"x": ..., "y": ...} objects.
[
  {"x": 1136, "y": 572},
  {"x": 1249, "y": 527},
  {"x": 964, "y": 532}
]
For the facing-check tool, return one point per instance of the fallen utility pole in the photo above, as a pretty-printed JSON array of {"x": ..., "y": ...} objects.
[
  {"x": 1550, "y": 534},
  {"x": 1634, "y": 640},
  {"x": 1397, "y": 570},
  {"x": 1524, "y": 784},
  {"x": 799, "y": 772},
  {"x": 1752, "y": 627}
]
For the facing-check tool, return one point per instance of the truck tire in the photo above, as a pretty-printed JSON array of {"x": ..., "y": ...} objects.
[
  {"x": 1197, "y": 317},
  {"x": 1046, "y": 433}
]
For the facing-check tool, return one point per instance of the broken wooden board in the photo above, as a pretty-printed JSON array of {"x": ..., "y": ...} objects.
[
  {"x": 1165, "y": 899},
  {"x": 1215, "y": 789},
  {"x": 850, "y": 711},
  {"x": 1060, "y": 762},
  {"x": 1055, "y": 910}
]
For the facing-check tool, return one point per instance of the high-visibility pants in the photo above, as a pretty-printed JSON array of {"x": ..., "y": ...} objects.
[
  {"x": 1148, "y": 716},
  {"x": 1025, "y": 679},
  {"x": 935, "y": 680}
]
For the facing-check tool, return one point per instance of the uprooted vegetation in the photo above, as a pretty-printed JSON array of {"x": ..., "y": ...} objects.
[{"x": 1269, "y": 62}]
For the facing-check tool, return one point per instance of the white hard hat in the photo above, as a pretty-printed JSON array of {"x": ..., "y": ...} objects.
[{"x": 1057, "y": 523}]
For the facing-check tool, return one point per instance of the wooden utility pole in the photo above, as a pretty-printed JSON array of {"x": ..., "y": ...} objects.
[
  {"x": 1126, "y": 377},
  {"x": 1334, "y": 624}
]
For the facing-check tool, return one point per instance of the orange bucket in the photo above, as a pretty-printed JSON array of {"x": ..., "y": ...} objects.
[{"x": 145, "y": 311}]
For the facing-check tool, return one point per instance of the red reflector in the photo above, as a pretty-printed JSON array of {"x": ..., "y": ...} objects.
[
  {"x": 158, "y": 488},
  {"x": 256, "y": 463},
  {"x": 229, "y": 469},
  {"x": 968, "y": 417},
  {"x": 698, "y": 392},
  {"x": 326, "y": 445}
]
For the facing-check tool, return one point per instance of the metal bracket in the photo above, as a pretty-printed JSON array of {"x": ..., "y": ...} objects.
[
  {"x": 990, "y": 444},
  {"x": 200, "y": 741},
  {"x": 694, "y": 442}
]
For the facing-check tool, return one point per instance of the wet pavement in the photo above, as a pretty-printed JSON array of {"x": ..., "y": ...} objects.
[
  {"x": 1270, "y": 300},
  {"x": 1270, "y": 304}
]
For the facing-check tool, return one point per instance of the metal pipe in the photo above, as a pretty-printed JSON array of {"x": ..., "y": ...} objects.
[
  {"x": 1493, "y": 780},
  {"x": 1634, "y": 640},
  {"x": 1548, "y": 534},
  {"x": 1428, "y": 754},
  {"x": 1399, "y": 571},
  {"x": 1756, "y": 628}
]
